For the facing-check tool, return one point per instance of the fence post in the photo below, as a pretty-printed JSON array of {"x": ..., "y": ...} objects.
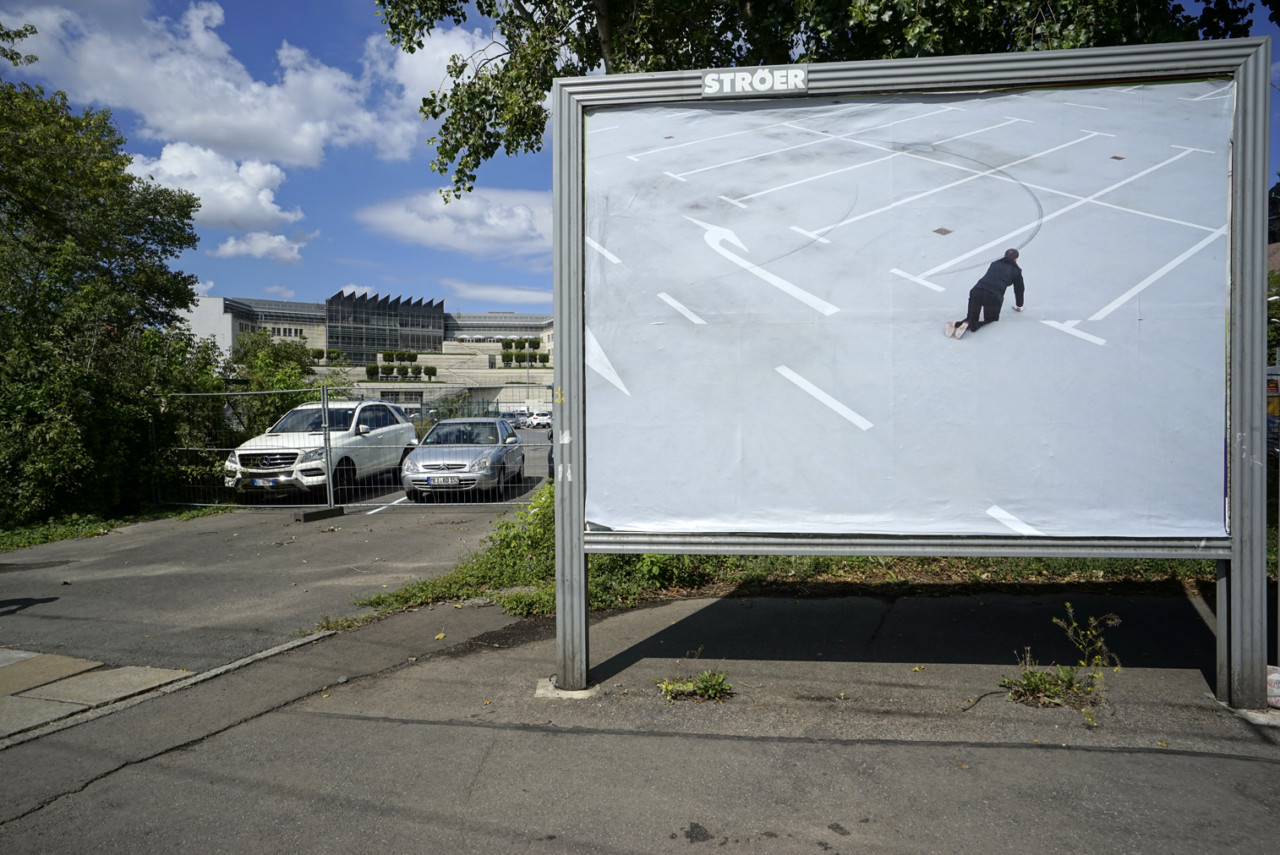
[{"x": 328, "y": 449}]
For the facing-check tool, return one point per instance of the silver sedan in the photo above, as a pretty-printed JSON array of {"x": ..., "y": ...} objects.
[{"x": 463, "y": 456}]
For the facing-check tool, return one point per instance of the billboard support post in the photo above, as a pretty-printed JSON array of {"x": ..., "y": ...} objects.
[
  {"x": 567, "y": 401},
  {"x": 1226, "y": 525}
]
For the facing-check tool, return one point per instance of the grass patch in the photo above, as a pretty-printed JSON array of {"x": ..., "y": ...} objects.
[
  {"x": 515, "y": 568},
  {"x": 91, "y": 525}
]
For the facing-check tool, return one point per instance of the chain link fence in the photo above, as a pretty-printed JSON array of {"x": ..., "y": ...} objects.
[{"x": 300, "y": 448}]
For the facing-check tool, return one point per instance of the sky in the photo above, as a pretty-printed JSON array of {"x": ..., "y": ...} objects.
[{"x": 297, "y": 125}]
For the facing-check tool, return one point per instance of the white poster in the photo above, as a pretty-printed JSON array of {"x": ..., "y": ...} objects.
[{"x": 769, "y": 286}]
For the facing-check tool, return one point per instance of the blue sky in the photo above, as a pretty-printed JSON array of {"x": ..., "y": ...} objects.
[{"x": 297, "y": 124}]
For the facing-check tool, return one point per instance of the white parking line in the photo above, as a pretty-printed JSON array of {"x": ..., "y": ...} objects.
[
  {"x": 778, "y": 124},
  {"x": 916, "y": 279},
  {"x": 384, "y": 507},
  {"x": 1136, "y": 289},
  {"x": 1006, "y": 518},
  {"x": 1008, "y": 236},
  {"x": 1069, "y": 327},
  {"x": 917, "y": 196},
  {"x": 675, "y": 304},
  {"x": 824, "y": 398},
  {"x": 606, "y": 253}
]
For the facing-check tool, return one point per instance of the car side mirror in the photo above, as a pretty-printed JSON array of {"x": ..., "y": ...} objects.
[
  {"x": 512, "y": 440},
  {"x": 362, "y": 430}
]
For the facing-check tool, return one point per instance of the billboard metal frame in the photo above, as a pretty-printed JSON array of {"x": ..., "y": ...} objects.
[{"x": 1241, "y": 555}]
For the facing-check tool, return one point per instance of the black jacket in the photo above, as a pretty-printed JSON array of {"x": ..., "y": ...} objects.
[{"x": 999, "y": 276}]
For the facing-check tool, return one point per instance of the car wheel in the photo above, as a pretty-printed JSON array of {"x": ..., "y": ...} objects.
[
  {"x": 344, "y": 479},
  {"x": 499, "y": 490}
]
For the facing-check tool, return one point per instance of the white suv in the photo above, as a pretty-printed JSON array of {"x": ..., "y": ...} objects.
[
  {"x": 365, "y": 438},
  {"x": 539, "y": 419}
]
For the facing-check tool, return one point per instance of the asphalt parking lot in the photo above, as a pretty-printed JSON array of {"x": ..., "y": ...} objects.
[{"x": 198, "y": 594}]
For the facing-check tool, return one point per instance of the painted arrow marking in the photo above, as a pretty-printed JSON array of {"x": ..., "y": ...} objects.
[{"x": 717, "y": 236}]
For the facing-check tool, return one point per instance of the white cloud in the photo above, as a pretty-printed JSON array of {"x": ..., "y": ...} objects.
[
  {"x": 263, "y": 245},
  {"x": 358, "y": 290},
  {"x": 280, "y": 291},
  {"x": 505, "y": 294},
  {"x": 204, "y": 288},
  {"x": 410, "y": 76},
  {"x": 179, "y": 76},
  {"x": 487, "y": 223},
  {"x": 232, "y": 196}
]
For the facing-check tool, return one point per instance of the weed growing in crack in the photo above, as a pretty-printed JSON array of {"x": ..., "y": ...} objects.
[
  {"x": 708, "y": 685},
  {"x": 1082, "y": 685}
]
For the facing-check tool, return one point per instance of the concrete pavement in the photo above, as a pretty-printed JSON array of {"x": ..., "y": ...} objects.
[{"x": 858, "y": 724}]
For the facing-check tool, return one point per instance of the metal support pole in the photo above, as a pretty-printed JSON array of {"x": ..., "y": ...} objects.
[{"x": 1222, "y": 614}]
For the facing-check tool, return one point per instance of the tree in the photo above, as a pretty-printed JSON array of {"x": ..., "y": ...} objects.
[
  {"x": 88, "y": 307},
  {"x": 495, "y": 99}
]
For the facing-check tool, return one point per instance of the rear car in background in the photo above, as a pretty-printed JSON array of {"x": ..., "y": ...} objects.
[
  {"x": 365, "y": 438},
  {"x": 464, "y": 456}
]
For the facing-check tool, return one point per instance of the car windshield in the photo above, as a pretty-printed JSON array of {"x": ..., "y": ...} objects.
[
  {"x": 463, "y": 433},
  {"x": 310, "y": 420}
]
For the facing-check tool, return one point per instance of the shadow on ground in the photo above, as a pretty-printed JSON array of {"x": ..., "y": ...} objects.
[{"x": 1160, "y": 627}]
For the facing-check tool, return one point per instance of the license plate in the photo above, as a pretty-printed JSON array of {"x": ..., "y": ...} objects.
[
  {"x": 443, "y": 480},
  {"x": 264, "y": 482}
]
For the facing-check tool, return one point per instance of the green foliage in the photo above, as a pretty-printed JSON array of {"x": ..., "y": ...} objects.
[
  {"x": 1273, "y": 315},
  {"x": 402, "y": 371},
  {"x": 1082, "y": 685},
  {"x": 90, "y": 309},
  {"x": 707, "y": 686},
  {"x": 495, "y": 99},
  {"x": 11, "y": 37},
  {"x": 371, "y": 372},
  {"x": 260, "y": 363}
]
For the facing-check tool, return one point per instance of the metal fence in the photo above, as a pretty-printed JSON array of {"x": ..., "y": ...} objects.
[{"x": 308, "y": 448}]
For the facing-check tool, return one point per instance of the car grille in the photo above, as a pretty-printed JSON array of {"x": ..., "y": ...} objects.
[
  {"x": 442, "y": 467},
  {"x": 269, "y": 460}
]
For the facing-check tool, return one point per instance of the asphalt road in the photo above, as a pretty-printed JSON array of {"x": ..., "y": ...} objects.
[{"x": 202, "y": 593}]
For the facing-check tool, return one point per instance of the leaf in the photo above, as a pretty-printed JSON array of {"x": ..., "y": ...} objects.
[{"x": 440, "y": 636}]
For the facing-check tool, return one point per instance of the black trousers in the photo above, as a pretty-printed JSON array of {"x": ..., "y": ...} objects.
[{"x": 985, "y": 304}]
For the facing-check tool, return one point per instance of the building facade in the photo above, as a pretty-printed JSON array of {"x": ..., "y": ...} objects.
[{"x": 359, "y": 327}]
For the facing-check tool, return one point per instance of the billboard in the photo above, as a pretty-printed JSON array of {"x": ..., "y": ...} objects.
[
  {"x": 768, "y": 285},
  {"x": 759, "y": 276}
]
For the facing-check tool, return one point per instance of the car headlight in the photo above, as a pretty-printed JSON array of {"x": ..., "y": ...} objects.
[
  {"x": 312, "y": 456},
  {"x": 231, "y": 460},
  {"x": 410, "y": 465},
  {"x": 480, "y": 464}
]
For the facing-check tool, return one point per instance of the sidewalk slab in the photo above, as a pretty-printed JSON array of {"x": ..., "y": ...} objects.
[
  {"x": 40, "y": 670},
  {"x": 8, "y": 657},
  {"x": 100, "y": 687},
  {"x": 18, "y": 714}
]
